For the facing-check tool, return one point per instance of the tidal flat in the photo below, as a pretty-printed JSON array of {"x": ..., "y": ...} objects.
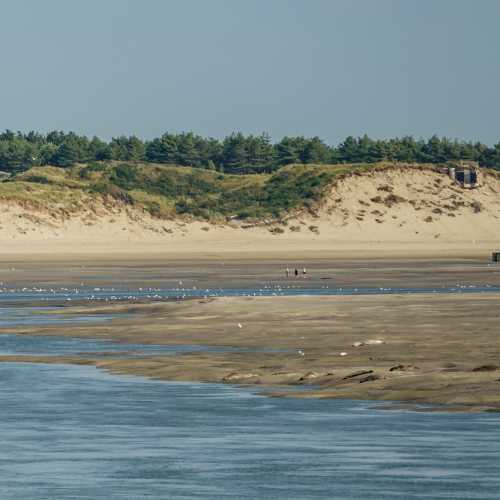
[{"x": 421, "y": 348}]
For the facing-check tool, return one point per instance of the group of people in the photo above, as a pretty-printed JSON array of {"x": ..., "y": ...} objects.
[{"x": 296, "y": 272}]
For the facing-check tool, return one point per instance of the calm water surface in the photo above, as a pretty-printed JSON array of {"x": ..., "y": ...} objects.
[{"x": 73, "y": 432}]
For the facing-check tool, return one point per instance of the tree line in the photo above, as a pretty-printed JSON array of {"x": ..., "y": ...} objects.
[{"x": 237, "y": 153}]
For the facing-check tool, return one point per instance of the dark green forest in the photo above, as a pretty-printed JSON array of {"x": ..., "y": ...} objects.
[{"x": 235, "y": 154}]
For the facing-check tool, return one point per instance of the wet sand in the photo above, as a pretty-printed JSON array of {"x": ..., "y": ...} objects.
[
  {"x": 334, "y": 269},
  {"x": 425, "y": 348}
]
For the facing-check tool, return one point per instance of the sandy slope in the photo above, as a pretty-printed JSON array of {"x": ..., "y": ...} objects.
[{"x": 410, "y": 211}]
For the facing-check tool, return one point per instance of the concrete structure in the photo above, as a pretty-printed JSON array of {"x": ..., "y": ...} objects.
[{"x": 464, "y": 173}]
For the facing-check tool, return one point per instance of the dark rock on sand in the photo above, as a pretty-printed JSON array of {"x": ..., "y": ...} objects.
[
  {"x": 370, "y": 378},
  {"x": 403, "y": 368},
  {"x": 357, "y": 374},
  {"x": 485, "y": 368}
]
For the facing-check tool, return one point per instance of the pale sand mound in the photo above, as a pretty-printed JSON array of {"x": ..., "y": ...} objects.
[
  {"x": 412, "y": 205},
  {"x": 408, "y": 212}
]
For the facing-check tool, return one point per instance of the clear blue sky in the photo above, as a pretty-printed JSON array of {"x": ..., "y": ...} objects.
[{"x": 310, "y": 67}]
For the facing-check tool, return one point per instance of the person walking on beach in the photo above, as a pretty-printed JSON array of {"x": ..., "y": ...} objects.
[
  {"x": 287, "y": 272},
  {"x": 296, "y": 272},
  {"x": 304, "y": 272}
]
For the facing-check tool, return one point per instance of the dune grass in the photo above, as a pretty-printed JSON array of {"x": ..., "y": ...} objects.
[{"x": 173, "y": 191}]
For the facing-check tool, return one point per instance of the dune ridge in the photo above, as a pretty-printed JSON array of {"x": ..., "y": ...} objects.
[{"x": 410, "y": 209}]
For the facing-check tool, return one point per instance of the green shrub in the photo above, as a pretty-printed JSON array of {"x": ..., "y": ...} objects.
[
  {"x": 39, "y": 179},
  {"x": 154, "y": 208},
  {"x": 209, "y": 195},
  {"x": 86, "y": 172},
  {"x": 124, "y": 176},
  {"x": 113, "y": 191},
  {"x": 95, "y": 166}
]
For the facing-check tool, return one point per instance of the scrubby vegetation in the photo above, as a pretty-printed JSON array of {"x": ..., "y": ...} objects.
[
  {"x": 236, "y": 154},
  {"x": 168, "y": 191}
]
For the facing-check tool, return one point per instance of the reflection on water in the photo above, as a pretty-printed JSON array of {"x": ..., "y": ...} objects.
[{"x": 73, "y": 432}]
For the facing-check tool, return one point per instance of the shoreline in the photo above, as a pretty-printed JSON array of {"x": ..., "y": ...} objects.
[
  {"x": 266, "y": 390},
  {"x": 416, "y": 349}
]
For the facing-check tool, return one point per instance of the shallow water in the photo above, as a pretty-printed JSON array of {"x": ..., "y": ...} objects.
[
  {"x": 29, "y": 315},
  {"x": 11, "y": 344},
  {"x": 115, "y": 294},
  {"x": 73, "y": 432}
]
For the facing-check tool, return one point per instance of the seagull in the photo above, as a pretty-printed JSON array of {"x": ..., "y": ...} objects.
[
  {"x": 301, "y": 353},
  {"x": 240, "y": 325}
]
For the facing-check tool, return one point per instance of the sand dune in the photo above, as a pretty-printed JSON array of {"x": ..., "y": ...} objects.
[{"x": 398, "y": 210}]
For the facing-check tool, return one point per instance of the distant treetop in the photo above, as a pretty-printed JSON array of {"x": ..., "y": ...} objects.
[{"x": 236, "y": 153}]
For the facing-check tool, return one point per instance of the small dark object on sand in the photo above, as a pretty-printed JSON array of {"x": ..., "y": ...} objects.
[
  {"x": 485, "y": 368},
  {"x": 370, "y": 378},
  {"x": 397, "y": 368},
  {"x": 357, "y": 374},
  {"x": 402, "y": 368}
]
